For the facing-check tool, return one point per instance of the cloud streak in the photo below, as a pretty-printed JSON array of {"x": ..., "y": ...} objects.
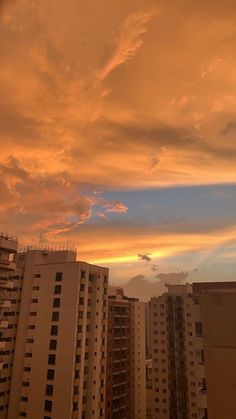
[{"x": 128, "y": 42}]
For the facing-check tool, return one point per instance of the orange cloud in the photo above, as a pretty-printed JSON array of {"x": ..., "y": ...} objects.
[
  {"x": 128, "y": 42},
  {"x": 67, "y": 130}
]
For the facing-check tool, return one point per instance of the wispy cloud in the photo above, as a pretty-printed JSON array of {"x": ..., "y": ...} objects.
[
  {"x": 128, "y": 42},
  {"x": 115, "y": 206}
]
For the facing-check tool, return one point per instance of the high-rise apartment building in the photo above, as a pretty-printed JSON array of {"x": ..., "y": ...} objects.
[
  {"x": 193, "y": 351},
  {"x": 215, "y": 321},
  {"x": 175, "y": 349},
  {"x": 8, "y": 316},
  {"x": 59, "y": 367},
  {"x": 125, "y": 390}
]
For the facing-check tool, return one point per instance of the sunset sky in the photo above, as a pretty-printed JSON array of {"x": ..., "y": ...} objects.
[{"x": 118, "y": 130}]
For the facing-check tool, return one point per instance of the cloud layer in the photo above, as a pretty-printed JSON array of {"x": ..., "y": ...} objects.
[{"x": 102, "y": 96}]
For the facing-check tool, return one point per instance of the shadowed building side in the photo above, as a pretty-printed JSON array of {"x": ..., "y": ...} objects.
[{"x": 125, "y": 388}]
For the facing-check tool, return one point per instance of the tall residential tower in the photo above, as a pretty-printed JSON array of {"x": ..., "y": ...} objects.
[
  {"x": 9, "y": 305},
  {"x": 194, "y": 351},
  {"x": 59, "y": 368},
  {"x": 125, "y": 390}
]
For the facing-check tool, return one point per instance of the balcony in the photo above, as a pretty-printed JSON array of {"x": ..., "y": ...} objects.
[
  {"x": 202, "y": 400},
  {"x": 121, "y": 407},
  {"x": 3, "y": 324},
  {"x": 201, "y": 388},
  {"x": 119, "y": 371},
  {"x": 5, "y": 304},
  {"x": 6, "y": 283},
  {"x": 8, "y": 242},
  {"x": 6, "y": 265}
]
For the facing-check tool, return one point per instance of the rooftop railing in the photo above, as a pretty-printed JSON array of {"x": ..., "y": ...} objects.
[{"x": 10, "y": 237}]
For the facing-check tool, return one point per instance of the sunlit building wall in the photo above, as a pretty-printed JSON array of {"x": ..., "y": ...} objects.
[
  {"x": 59, "y": 364},
  {"x": 9, "y": 308}
]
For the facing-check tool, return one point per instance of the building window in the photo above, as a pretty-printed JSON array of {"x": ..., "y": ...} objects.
[
  {"x": 24, "y": 398},
  {"x": 53, "y": 344},
  {"x": 31, "y": 327},
  {"x": 75, "y": 406},
  {"x": 51, "y": 359},
  {"x": 25, "y": 383},
  {"x": 58, "y": 277},
  {"x": 82, "y": 287},
  {"x": 198, "y": 329},
  {"x": 56, "y": 302},
  {"x": 54, "y": 330},
  {"x": 50, "y": 374},
  {"x": 55, "y": 316},
  {"x": 81, "y": 301},
  {"x": 49, "y": 390},
  {"x": 76, "y": 374},
  {"x": 77, "y": 358},
  {"x": 57, "y": 289},
  {"x": 28, "y": 355},
  {"x": 48, "y": 405},
  {"x": 37, "y": 276},
  {"x": 82, "y": 274},
  {"x": 22, "y": 414}
]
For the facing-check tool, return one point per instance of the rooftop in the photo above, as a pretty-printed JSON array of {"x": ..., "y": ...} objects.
[{"x": 9, "y": 237}]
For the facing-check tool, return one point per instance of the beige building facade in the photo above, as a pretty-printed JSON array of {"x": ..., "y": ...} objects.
[
  {"x": 194, "y": 352},
  {"x": 59, "y": 368},
  {"x": 9, "y": 308},
  {"x": 216, "y": 303}
]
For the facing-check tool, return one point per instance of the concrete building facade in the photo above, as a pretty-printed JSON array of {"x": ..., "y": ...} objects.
[
  {"x": 59, "y": 368},
  {"x": 9, "y": 308},
  {"x": 178, "y": 383},
  {"x": 215, "y": 305},
  {"x": 194, "y": 352},
  {"x": 125, "y": 391}
]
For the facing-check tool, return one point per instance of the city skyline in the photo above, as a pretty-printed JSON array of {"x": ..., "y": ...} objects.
[{"x": 117, "y": 127}]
